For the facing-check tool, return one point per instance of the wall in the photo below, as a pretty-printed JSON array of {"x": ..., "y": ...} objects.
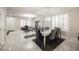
[
  {"x": 2, "y": 26},
  {"x": 74, "y": 22},
  {"x": 13, "y": 23}
]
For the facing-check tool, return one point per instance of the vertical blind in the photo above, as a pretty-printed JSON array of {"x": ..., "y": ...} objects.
[
  {"x": 23, "y": 22},
  {"x": 27, "y": 22},
  {"x": 60, "y": 21}
]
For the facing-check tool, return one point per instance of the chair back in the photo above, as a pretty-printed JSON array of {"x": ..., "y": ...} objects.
[
  {"x": 38, "y": 35},
  {"x": 58, "y": 33},
  {"x": 55, "y": 34}
]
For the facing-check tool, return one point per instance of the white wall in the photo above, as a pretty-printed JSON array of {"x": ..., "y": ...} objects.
[
  {"x": 74, "y": 22},
  {"x": 2, "y": 25},
  {"x": 13, "y": 23}
]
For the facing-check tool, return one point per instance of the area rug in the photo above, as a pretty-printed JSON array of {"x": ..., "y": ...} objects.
[{"x": 50, "y": 45}]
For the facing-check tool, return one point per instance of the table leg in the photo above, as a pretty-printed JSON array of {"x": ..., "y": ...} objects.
[{"x": 44, "y": 40}]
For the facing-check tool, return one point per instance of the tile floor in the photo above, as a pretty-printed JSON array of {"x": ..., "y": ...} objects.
[{"x": 15, "y": 41}]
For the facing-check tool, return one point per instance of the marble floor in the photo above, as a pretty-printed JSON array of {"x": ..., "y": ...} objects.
[{"x": 15, "y": 41}]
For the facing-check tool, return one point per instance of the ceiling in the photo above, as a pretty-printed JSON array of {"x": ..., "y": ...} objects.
[{"x": 39, "y": 11}]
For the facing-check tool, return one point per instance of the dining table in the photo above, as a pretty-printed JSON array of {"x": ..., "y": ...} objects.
[{"x": 46, "y": 33}]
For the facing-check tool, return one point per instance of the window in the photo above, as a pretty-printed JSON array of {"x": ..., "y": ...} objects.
[
  {"x": 47, "y": 22},
  {"x": 23, "y": 22},
  {"x": 60, "y": 21},
  {"x": 27, "y": 22},
  {"x": 56, "y": 21}
]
